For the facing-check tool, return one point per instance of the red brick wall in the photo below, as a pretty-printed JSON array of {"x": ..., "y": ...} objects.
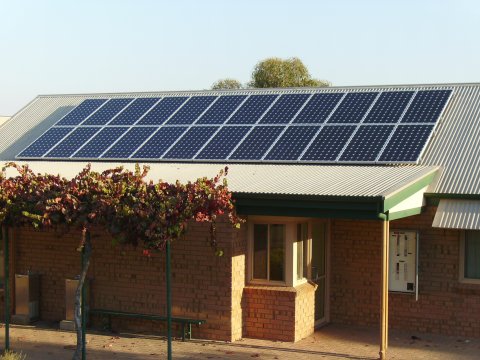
[
  {"x": 278, "y": 312},
  {"x": 445, "y": 305},
  {"x": 123, "y": 279},
  {"x": 355, "y": 271}
]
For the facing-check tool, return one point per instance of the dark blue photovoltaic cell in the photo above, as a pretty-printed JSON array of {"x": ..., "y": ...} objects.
[
  {"x": 223, "y": 143},
  {"x": 389, "y": 107},
  {"x": 134, "y": 111},
  {"x": 353, "y": 108},
  {"x": 284, "y": 109},
  {"x": 191, "y": 142},
  {"x": 129, "y": 142},
  {"x": 328, "y": 143},
  {"x": 162, "y": 111},
  {"x": 45, "y": 142},
  {"x": 100, "y": 142},
  {"x": 159, "y": 142},
  {"x": 192, "y": 109},
  {"x": 72, "y": 142},
  {"x": 77, "y": 115},
  {"x": 367, "y": 143},
  {"x": 406, "y": 143},
  {"x": 292, "y": 142},
  {"x": 252, "y": 109},
  {"x": 257, "y": 143},
  {"x": 318, "y": 108},
  {"x": 107, "y": 112},
  {"x": 426, "y": 106},
  {"x": 221, "y": 110}
]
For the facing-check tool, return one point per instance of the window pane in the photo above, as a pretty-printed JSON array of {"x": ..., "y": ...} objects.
[
  {"x": 302, "y": 235},
  {"x": 260, "y": 244},
  {"x": 277, "y": 252},
  {"x": 472, "y": 254}
]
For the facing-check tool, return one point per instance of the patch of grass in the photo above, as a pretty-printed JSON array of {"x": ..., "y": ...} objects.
[{"x": 10, "y": 355}]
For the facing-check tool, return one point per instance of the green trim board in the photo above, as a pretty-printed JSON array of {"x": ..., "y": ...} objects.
[
  {"x": 351, "y": 207},
  {"x": 409, "y": 190}
]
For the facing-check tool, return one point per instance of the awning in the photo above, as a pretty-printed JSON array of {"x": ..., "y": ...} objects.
[{"x": 458, "y": 214}]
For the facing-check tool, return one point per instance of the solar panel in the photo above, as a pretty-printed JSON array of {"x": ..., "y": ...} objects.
[
  {"x": 328, "y": 143},
  {"x": 353, "y": 108},
  {"x": 366, "y": 143},
  {"x": 257, "y": 142},
  {"x": 406, "y": 143},
  {"x": 284, "y": 109},
  {"x": 124, "y": 147},
  {"x": 310, "y": 126},
  {"x": 192, "y": 109},
  {"x": 221, "y": 110},
  {"x": 223, "y": 143},
  {"x": 389, "y": 107},
  {"x": 162, "y": 111},
  {"x": 107, "y": 112},
  {"x": 78, "y": 114},
  {"x": 318, "y": 108},
  {"x": 252, "y": 109},
  {"x": 190, "y": 143},
  {"x": 427, "y": 106},
  {"x": 100, "y": 142},
  {"x": 292, "y": 142},
  {"x": 134, "y": 111},
  {"x": 72, "y": 142},
  {"x": 45, "y": 142},
  {"x": 159, "y": 142}
]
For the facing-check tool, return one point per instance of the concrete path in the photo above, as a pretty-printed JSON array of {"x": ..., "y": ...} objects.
[{"x": 330, "y": 342}]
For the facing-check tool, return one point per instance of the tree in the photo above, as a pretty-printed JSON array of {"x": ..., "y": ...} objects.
[
  {"x": 227, "y": 84},
  {"x": 278, "y": 73},
  {"x": 131, "y": 209}
]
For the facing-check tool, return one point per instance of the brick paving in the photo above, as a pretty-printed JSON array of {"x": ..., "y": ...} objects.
[{"x": 330, "y": 342}]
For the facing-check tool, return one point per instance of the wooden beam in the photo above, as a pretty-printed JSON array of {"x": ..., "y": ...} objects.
[{"x": 384, "y": 292}]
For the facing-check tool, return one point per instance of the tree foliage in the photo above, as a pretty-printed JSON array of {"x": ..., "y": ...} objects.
[
  {"x": 280, "y": 73},
  {"x": 132, "y": 209},
  {"x": 227, "y": 84}
]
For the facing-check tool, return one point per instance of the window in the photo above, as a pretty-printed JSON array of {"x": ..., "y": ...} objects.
[
  {"x": 301, "y": 244},
  {"x": 471, "y": 255},
  {"x": 269, "y": 252}
]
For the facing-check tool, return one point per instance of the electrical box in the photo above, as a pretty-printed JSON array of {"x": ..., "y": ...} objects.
[{"x": 403, "y": 261}]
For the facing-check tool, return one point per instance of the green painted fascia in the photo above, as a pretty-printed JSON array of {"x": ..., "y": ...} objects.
[
  {"x": 434, "y": 198},
  {"x": 303, "y": 212},
  {"x": 301, "y": 206},
  {"x": 408, "y": 191},
  {"x": 404, "y": 213}
]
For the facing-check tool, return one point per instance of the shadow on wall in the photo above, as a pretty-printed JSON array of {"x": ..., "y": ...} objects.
[{"x": 31, "y": 135}]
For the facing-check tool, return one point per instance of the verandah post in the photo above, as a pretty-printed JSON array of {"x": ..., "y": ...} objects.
[
  {"x": 169, "y": 301},
  {"x": 6, "y": 264},
  {"x": 384, "y": 291},
  {"x": 82, "y": 307}
]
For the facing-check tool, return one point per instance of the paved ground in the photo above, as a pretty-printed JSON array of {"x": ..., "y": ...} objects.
[{"x": 330, "y": 342}]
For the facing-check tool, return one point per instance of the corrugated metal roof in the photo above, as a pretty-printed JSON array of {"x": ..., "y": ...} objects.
[
  {"x": 315, "y": 180},
  {"x": 457, "y": 214},
  {"x": 455, "y": 145}
]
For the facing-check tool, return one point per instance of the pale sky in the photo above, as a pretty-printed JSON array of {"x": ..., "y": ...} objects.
[{"x": 88, "y": 46}]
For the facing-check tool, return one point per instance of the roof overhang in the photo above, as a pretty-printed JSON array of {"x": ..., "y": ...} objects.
[
  {"x": 457, "y": 214},
  {"x": 325, "y": 191}
]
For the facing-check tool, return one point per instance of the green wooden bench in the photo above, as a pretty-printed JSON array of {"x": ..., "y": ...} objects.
[{"x": 186, "y": 323}]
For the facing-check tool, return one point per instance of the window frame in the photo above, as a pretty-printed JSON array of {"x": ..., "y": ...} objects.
[
  {"x": 290, "y": 250},
  {"x": 461, "y": 268}
]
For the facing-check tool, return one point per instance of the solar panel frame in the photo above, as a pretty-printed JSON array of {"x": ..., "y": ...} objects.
[
  {"x": 176, "y": 131},
  {"x": 219, "y": 136},
  {"x": 100, "y": 101},
  {"x": 204, "y": 103},
  {"x": 119, "y": 121},
  {"x": 165, "y": 114},
  {"x": 108, "y": 132},
  {"x": 278, "y": 115},
  {"x": 108, "y": 117},
  {"x": 204, "y": 120},
  {"x": 409, "y": 145},
  {"x": 268, "y": 154},
  {"x": 439, "y": 112},
  {"x": 79, "y": 134},
  {"x": 63, "y": 132},
  {"x": 257, "y": 116},
  {"x": 134, "y": 136}
]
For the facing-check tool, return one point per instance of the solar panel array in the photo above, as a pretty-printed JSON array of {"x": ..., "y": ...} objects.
[{"x": 322, "y": 127}]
